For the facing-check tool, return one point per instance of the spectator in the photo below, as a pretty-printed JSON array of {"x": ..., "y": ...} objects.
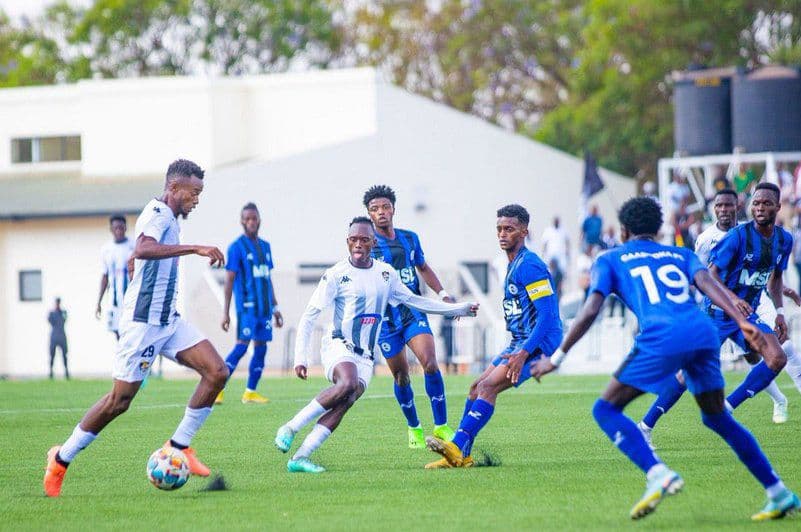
[
  {"x": 678, "y": 192},
  {"x": 583, "y": 267},
  {"x": 610, "y": 238},
  {"x": 591, "y": 229},
  {"x": 744, "y": 179},
  {"x": 556, "y": 245},
  {"x": 720, "y": 182},
  {"x": 787, "y": 186},
  {"x": 446, "y": 332},
  {"x": 58, "y": 337},
  {"x": 558, "y": 276},
  {"x": 797, "y": 250},
  {"x": 682, "y": 221}
]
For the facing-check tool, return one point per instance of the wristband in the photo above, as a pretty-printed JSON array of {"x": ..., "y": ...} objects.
[
  {"x": 443, "y": 294},
  {"x": 780, "y": 311},
  {"x": 558, "y": 357}
]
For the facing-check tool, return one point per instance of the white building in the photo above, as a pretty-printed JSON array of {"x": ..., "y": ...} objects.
[{"x": 304, "y": 147}]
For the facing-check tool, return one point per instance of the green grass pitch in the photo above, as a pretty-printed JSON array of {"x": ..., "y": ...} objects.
[{"x": 558, "y": 470}]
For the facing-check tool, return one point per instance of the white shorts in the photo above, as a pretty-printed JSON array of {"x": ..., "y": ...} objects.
[
  {"x": 141, "y": 342},
  {"x": 336, "y": 351},
  {"x": 113, "y": 319}
]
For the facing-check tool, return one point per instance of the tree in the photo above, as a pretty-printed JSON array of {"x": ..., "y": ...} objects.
[
  {"x": 619, "y": 104},
  {"x": 25, "y": 57}
]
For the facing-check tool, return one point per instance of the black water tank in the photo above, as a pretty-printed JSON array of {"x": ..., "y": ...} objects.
[
  {"x": 766, "y": 110},
  {"x": 702, "y": 111}
]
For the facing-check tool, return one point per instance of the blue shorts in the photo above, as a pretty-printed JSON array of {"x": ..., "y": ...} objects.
[
  {"x": 549, "y": 344},
  {"x": 728, "y": 330},
  {"x": 648, "y": 370},
  {"x": 252, "y": 327},
  {"x": 392, "y": 343}
]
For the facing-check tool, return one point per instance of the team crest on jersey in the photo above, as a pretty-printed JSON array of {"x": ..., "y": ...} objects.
[
  {"x": 345, "y": 279},
  {"x": 143, "y": 365},
  {"x": 513, "y": 289},
  {"x": 385, "y": 275},
  {"x": 386, "y": 347},
  {"x": 246, "y": 331}
]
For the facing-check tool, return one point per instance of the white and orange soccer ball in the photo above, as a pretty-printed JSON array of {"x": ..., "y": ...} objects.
[{"x": 167, "y": 468}]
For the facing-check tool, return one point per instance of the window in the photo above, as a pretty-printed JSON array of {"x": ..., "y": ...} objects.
[
  {"x": 46, "y": 149},
  {"x": 311, "y": 273},
  {"x": 480, "y": 272},
  {"x": 30, "y": 285}
]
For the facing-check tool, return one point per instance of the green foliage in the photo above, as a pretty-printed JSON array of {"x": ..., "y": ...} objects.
[{"x": 620, "y": 103}]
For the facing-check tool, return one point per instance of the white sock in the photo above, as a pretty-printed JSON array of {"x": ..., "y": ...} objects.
[
  {"x": 775, "y": 490},
  {"x": 775, "y": 393},
  {"x": 314, "y": 440},
  {"x": 77, "y": 442},
  {"x": 190, "y": 424},
  {"x": 793, "y": 367},
  {"x": 655, "y": 471},
  {"x": 307, "y": 414},
  {"x": 644, "y": 427}
]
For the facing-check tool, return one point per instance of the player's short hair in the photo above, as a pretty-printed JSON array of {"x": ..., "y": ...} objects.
[
  {"x": 117, "y": 218},
  {"x": 514, "y": 211},
  {"x": 641, "y": 216},
  {"x": 250, "y": 206},
  {"x": 379, "y": 191},
  {"x": 723, "y": 191},
  {"x": 770, "y": 186},
  {"x": 184, "y": 168},
  {"x": 361, "y": 220}
]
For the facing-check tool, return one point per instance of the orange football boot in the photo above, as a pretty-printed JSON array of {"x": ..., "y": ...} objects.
[
  {"x": 54, "y": 474},
  {"x": 196, "y": 467}
]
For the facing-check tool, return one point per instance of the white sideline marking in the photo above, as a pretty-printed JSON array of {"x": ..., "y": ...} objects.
[
  {"x": 529, "y": 391},
  {"x": 295, "y": 400}
]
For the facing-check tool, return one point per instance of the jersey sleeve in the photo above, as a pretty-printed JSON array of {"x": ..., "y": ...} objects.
[
  {"x": 601, "y": 279},
  {"x": 535, "y": 281},
  {"x": 157, "y": 225},
  {"x": 786, "y": 252},
  {"x": 325, "y": 293},
  {"x": 726, "y": 250},
  {"x": 419, "y": 256},
  {"x": 270, "y": 263},
  {"x": 233, "y": 259},
  {"x": 398, "y": 292}
]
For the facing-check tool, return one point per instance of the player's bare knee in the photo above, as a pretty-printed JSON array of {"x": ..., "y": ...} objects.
[
  {"x": 218, "y": 376},
  {"x": 486, "y": 389},
  {"x": 402, "y": 378},
  {"x": 430, "y": 366},
  {"x": 344, "y": 389},
  {"x": 775, "y": 359},
  {"x": 117, "y": 404}
]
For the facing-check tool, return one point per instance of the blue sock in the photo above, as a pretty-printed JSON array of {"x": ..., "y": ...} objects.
[
  {"x": 405, "y": 397},
  {"x": 757, "y": 380},
  {"x": 668, "y": 397},
  {"x": 472, "y": 423},
  {"x": 624, "y": 434},
  {"x": 468, "y": 404},
  {"x": 235, "y": 356},
  {"x": 256, "y": 365},
  {"x": 435, "y": 388},
  {"x": 744, "y": 444}
]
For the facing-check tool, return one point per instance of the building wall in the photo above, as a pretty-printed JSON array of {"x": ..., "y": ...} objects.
[{"x": 67, "y": 251}]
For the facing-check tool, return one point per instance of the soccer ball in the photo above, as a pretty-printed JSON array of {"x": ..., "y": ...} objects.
[{"x": 167, "y": 468}]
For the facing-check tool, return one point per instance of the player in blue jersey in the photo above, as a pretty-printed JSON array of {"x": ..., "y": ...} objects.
[
  {"x": 249, "y": 267},
  {"x": 404, "y": 326},
  {"x": 531, "y": 310},
  {"x": 654, "y": 282}
]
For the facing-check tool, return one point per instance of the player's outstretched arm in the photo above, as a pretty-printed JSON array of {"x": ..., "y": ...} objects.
[
  {"x": 792, "y": 294},
  {"x": 432, "y": 306},
  {"x": 103, "y": 287},
  {"x": 148, "y": 248},
  {"x": 742, "y": 305},
  {"x": 584, "y": 320},
  {"x": 776, "y": 292},
  {"x": 303, "y": 340},
  {"x": 228, "y": 290},
  {"x": 433, "y": 282}
]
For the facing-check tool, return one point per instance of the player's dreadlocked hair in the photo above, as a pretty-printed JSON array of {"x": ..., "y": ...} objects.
[
  {"x": 642, "y": 216},
  {"x": 361, "y": 220},
  {"x": 514, "y": 211},
  {"x": 379, "y": 191},
  {"x": 250, "y": 206}
]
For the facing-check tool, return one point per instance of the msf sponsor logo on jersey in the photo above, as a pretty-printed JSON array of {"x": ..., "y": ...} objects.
[
  {"x": 261, "y": 271},
  {"x": 757, "y": 279}
]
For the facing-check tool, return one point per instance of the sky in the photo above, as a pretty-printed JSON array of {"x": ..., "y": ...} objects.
[{"x": 18, "y": 8}]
